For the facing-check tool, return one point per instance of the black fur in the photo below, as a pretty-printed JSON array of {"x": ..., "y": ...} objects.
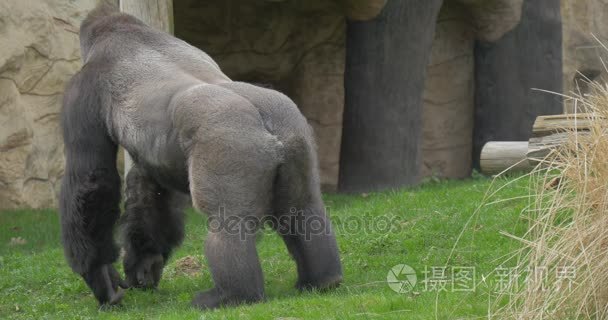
[
  {"x": 241, "y": 151},
  {"x": 90, "y": 192},
  {"x": 153, "y": 225}
]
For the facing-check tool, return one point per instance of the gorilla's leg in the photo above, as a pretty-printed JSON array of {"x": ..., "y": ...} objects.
[
  {"x": 297, "y": 197},
  {"x": 234, "y": 189},
  {"x": 153, "y": 226},
  {"x": 303, "y": 223}
]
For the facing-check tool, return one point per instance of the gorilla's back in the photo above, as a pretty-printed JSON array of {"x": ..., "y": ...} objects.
[{"x": 147, "y": 68}]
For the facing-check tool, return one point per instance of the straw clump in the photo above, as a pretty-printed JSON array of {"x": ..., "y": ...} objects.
[{"x": 563, "y": 267}]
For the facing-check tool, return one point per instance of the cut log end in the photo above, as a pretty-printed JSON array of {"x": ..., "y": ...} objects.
[{"x": 497, "y": 157}]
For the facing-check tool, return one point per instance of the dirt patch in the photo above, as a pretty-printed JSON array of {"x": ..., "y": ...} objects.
[{"x": 190, "y": 266}]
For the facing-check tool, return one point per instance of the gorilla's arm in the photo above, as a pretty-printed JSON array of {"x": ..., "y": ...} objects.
[
  {"x": 90, "y": 191},
  {"x": 153, "y": 225}
]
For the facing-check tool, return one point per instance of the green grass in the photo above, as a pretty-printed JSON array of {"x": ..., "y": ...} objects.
[{"x": 425, "y": 222}]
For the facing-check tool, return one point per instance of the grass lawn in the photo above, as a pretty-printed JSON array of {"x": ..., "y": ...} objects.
[{"x": 418, "y": 227}]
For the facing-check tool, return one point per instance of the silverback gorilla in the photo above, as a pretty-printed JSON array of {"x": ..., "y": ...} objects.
[{"x": 241, "y": 151}]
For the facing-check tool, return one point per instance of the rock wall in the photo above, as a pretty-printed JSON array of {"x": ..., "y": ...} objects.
[
  {"x": 449, "y": 99},
  {"x": 582, "y": 53},
  {"x": 39, "y": 51},
  {"x": 491, "y": 19},
  {"x": 294, "y": 46}
]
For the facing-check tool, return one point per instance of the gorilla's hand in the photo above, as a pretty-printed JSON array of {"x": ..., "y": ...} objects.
[
  {"x": 146, "y": 272},
  {"x": 106, "y": 284}
]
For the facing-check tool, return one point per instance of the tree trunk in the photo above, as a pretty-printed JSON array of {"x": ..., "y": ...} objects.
[
  {"x": 386, "y": 61},
  {"x": 508, "y": 71},
  {"x": 155, "y": 13}
]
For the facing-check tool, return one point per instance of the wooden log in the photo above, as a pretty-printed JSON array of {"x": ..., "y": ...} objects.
[
  {"x": 540, "y": 147},
  {"x": 155, "y": 13},
  {"x": 549, "y": 125},
  {"x": 548, "y": 133},
  {"x": 496, "y": 157}
]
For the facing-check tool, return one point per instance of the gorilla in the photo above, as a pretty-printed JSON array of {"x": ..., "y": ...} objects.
[{"x": 239, "y": 150}]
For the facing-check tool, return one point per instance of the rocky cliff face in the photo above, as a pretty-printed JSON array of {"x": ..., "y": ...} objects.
[
  {"x": 294, "y": 46},
  {"x": 491, "y": 19},
  {"x": 286, "y": 49},
  {"x": 450, "y": 89},
  {"x": 583, "y": 54},
  {"x": 448, "y": 98},
  {"x": 39, "y": 52}
]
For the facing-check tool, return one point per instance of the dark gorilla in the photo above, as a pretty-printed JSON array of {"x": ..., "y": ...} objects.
[{"x": 241, "y": 151}]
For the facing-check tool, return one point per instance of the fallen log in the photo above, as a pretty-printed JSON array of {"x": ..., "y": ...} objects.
[
  {"x": 497, "y": 156},
  {"x": 548, "y": 125},
  {"x": 548, "y": 133}
]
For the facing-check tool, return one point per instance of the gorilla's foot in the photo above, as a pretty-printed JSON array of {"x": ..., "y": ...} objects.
[
  {"x": 212, "y": 299},
  {"x": 106, "y": 284},
  {"x": 323, "y": 284},
  {"x": 146, "y": 272},
  {"x": 207, "y": 300}
]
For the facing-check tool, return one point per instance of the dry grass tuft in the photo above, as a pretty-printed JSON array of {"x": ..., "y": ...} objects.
[{"x": 563, "y": 267}]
